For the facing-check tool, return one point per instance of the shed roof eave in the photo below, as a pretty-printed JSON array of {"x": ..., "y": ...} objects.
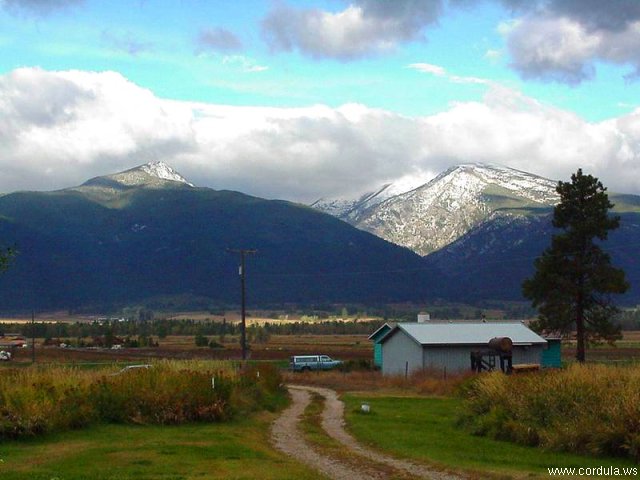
[{"x": 373, "y": 335}]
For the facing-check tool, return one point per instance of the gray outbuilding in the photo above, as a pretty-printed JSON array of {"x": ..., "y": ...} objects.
[{"x": 446, "y": 346}]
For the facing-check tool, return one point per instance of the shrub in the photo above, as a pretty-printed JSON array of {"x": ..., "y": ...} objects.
[
  {"x": 39, "y": 400},
  {"x": 592, "y": 409}
]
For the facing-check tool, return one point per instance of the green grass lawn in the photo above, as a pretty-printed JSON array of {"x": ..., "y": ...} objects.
[
  {"x": 424, "y": 429},
  {"x": 234, "y": 450}
]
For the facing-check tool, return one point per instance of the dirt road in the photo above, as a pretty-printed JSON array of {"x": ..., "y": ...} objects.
[{"x": 287, "y": 437}]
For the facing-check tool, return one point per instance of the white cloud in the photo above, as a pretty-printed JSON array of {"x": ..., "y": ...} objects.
[
  {"x": 553, "y": 48},
  {"x": 558, "y": 40},
  {"x": 58, "y": 129},
  {"x": 428, "y": 68},
  {"x": 246, "y": 64},
  {"x": 493, "y": 55},
  {"x": 363, "y": 28},
  {"x": 562, "y": 40},
  {"x": 439, "y": 71}
]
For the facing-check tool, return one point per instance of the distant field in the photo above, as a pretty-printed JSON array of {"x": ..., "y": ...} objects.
[
  {"x": 625, "y": 350},
  {"x": 258, "y": 317},
  {"x": 279, "y": 347}
]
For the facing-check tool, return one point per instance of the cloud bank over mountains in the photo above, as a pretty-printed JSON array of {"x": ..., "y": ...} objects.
[{"x": 58, "y": 129}]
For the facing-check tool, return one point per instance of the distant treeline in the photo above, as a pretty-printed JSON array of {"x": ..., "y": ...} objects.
[{"x": 162, "y": 328}]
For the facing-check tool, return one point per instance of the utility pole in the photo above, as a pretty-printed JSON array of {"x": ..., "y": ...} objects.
[
  {"x": 243, "y": 327},
  {"x": 33, "y": 336}
]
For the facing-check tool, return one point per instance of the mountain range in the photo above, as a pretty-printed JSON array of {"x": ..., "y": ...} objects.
[
  {"x": 148, "y": 233},
  {"x": 470, "y": 234},
  {"x": 481, "y": 226}
]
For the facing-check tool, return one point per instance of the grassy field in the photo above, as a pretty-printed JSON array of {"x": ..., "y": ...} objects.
[
  {"x": 425, "y": 429},
  {"x": 235, "y": 450},
  {"x": 279, "y": 347}
]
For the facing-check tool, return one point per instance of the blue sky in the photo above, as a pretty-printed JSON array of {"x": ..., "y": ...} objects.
[{"x": 561, "y": 67}]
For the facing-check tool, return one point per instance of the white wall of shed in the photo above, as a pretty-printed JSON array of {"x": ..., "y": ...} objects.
[{"x": 399, "y": 353}]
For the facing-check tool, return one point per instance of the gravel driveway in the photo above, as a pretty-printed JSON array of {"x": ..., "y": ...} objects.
[{"x": 287, "y": 437}]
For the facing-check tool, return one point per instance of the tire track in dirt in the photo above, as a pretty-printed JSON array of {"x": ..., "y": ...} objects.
[{"x": 288, "y": 438}]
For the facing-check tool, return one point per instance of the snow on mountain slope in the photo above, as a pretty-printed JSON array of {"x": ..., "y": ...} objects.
[
  {"x": 110, "y": 188},
  {"x": 149, "y": 174},
  {"x": 346, "y": 208},
  {"x": 437, "y": 213},
  {"x": 163, "y": 171},
  {"x": 350, "y": 210}
]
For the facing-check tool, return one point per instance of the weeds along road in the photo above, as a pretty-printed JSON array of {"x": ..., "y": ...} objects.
[{"x": 357, "y": 462}]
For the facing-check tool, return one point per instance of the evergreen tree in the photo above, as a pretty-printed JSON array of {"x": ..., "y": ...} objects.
[
  {"x": 574, "y": 278},
  {"x": 5, "y": 258},
  {"x": 201, "y": 340}
]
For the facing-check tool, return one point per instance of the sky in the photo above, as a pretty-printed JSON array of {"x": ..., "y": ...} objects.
[{"x": 307, "y": 99}]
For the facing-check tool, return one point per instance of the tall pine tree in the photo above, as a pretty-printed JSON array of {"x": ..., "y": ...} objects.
[
  {"x": 5, "y": 258},
  {"x": 574, "y": 278}
]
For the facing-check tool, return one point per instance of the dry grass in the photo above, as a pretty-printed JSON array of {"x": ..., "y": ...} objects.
[
  {"x": 41, "y": 399},
  {"x": 588, "y": 409},
  {"x": 424, "y": 382}
]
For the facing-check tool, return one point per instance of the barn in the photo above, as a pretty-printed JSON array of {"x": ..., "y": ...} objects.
[{"x": 447, "y": 346}]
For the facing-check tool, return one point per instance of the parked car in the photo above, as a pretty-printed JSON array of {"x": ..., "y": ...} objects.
[{"x": 301, "y": 363}]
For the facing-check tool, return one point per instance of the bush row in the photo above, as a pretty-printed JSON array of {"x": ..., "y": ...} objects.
[
  {"x": 40, "y": 400},
  {"x": 592, "y": 409}
]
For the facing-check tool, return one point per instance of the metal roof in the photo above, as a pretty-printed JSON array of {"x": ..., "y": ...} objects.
[
  {"x": 467, "y": 333},
  {"x": 387, "y": 325}
]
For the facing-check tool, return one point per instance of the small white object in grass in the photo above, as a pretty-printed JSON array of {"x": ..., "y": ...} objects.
[
  {"x": 365, "y": 408},
  {"x": 213, "y": 383}
]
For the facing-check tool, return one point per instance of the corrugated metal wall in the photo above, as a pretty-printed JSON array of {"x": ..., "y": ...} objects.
[
  {"x": 400, "y": 349},
  {"x": 400, "y": 352},
  {"x": 532, "y": 354},
  {"x": 454, "y": 358},
  {"x": 457, "y": 358}
]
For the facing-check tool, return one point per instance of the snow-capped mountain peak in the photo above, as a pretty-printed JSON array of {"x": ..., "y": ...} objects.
[
  {"x": 440, "y": 211},
  {"x": 153, "y": 174},
  {"x": 470, "y": 176},
  {"x": 163, "y": 171},
  {"x": 110, "y": 188}
]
